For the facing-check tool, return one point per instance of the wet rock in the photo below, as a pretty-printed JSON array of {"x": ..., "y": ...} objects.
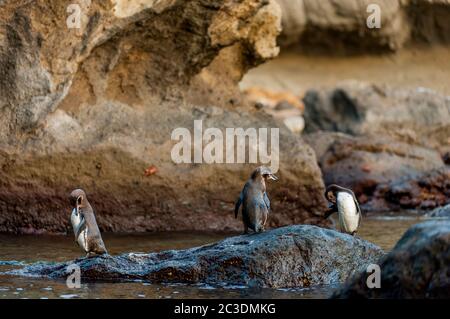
[
  {"x": 440, "y": 212},
  {"x": 293, "y": 256},
  {"x": 417, "y": 267}
]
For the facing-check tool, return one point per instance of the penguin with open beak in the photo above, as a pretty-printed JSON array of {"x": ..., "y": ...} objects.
[
  {"x": 85, "y": 228},
  {"x": 254, "y": 200},
  {"x": 344, "y": 202}
]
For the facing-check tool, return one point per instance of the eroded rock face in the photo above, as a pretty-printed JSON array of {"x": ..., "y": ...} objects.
[
  {"x": 385, "y": 144},
  {"x": 293, "y": 256},
  {"x": 417, "y": 267},
  {"x": 94, "y": 107},
  {"x": 342, "y": 25},
  {"x": 422, "y": 191}
]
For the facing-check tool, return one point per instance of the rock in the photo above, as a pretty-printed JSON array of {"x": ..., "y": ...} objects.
[
  {"x": 362, "y": 163},
  {"x": 293, "y": 256},
  {"x": 342, "y": 25},
  {"x": 295, "y": 124},
  {"x": 423, "y": 191},
  {"x": 446, "y": 158},
  {"x": 417, "y": 267},
  {"x": 285, "y": 107},
  {"x": 95, "y": 107},
  {"x": 416, "y": 116},
  {"x": 374, "y": 139},
  {"x": 440, "y": 212}
]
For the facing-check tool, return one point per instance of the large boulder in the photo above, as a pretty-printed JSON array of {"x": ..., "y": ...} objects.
[
  {"x": 95, "y": 107},
  {"x": 293, "y": 256},
  {"x": 423, "y": 191},
  {"x": 374, "y": 140},
  {"x": 342, "y": 25},
  {"x": 417, "y": 267},
  {"x": 417, "y": 116}
]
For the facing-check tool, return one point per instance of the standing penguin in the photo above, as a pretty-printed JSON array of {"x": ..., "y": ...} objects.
[
  {"x": 254, "y": 200},
  {"x": 85, "y": 228},
  {"x": 344, "y": 202}
]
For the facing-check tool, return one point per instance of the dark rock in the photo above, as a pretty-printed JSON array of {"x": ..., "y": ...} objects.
[
  {"x": 384, "y": 143},
  {"x": 293, "y": 256},
  {"x": 446, "y": 158},
  {"x": 440, "y": 212},
  {"x": 417, "y": 267},
  {"x": 425, "y": 191},
  {"x": 363, "y": 163}
]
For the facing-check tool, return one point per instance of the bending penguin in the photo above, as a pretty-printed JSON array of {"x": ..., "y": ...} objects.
[
  {"x": 85, "y": 228},
  {"x": 254, "y": 200},
  {"x": 346, "y": 205}
]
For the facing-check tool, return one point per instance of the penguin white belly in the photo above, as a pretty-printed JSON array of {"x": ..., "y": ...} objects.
[
  {"x": 348, "y": 214},
  {"x": 76, "y": 219}
]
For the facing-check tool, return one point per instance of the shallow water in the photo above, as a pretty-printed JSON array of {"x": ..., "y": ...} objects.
[{"x": 16, "y": 250}]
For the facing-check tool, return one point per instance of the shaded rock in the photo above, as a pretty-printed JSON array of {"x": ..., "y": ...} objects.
[
  {"x": 293, "y": 256},
  {"x": 363, "y": 163},
  {"x": 423, "y": 191},
  {"x": 342, "y": 25},
  {"x": 374, "y": 139},
  {"x": 416, "y": 116},
  {"x": 440, "y": 212},
  {"x": 417, "y": 267},
  {"x": 446, "y": 158}
]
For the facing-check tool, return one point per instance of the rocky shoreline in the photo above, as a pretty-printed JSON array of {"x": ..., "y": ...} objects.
[
  {"x": 298, "y": 256},
  {"x": 291, "y": 256}
]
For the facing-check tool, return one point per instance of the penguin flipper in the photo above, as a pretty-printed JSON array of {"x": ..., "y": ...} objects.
[
  {"x": 240, "y": 200},
  {"x": 331, "y": 210},
  {"x": 358, "y": 209},
  {"x": 237, "y": 205},
  {"x": 266, "y": 201},
  {"x": 80, "y": 228}
]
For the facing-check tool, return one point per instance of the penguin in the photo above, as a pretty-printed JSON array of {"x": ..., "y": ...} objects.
[
  {"x": 87, "y": 234},
  {"x": 344, "y": 202},
  {"x": 254, "y": 200}
]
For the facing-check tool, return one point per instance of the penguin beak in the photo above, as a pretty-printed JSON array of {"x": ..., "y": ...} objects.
[{"x": 273, "y": 177}]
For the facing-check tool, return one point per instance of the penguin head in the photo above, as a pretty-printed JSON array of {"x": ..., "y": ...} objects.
[
  {"x": 264, "y": 172},
  {"x": 332, "y": 190},
  {"x": 77, "y": 198}
]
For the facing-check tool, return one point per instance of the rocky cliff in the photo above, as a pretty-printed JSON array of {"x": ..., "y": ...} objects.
[{"x": 90, "y": 95}]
